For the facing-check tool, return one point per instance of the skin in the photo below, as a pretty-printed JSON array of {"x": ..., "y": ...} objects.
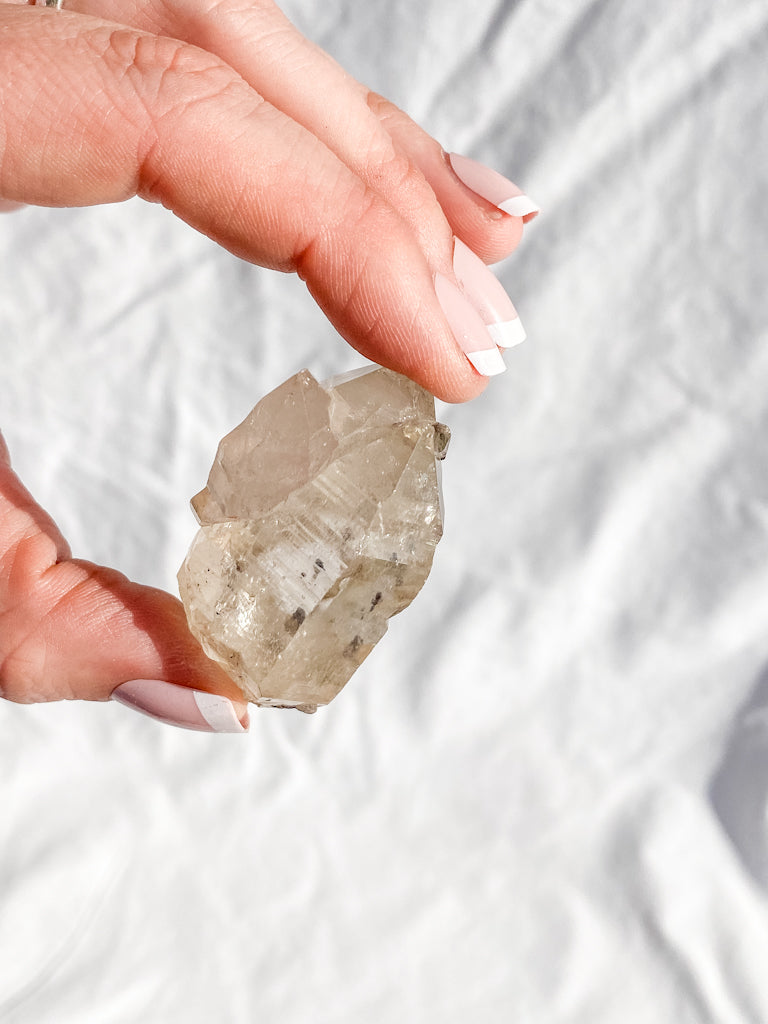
[{"x": 226, "y": 115}]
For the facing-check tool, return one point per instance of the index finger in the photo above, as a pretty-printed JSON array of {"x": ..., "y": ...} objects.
[{"x": 95, "y": 112}]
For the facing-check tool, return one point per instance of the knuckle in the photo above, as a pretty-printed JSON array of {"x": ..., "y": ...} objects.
[
  {"x": 163, "y": 74},
  {"x": 383, "y": 109},
  {"x": 394, "y": 176},
  {"x": 391, "y": 118},
  {"x": 155, "y": 82},
  {"x": 340, "y": 262},
  {"x": 392, "y": 171},
  {"x": 151, "y": 79},
  {"x": 403, "y": 185},
  {"x": 400, "y": 178}
]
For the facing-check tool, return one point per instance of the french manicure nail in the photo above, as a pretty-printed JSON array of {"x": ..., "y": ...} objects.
[
  {"x": 182, "y": 706},
  {"x": 487, "y": 295},
  {"x": 468, "y": 329},
  {"x": 493, "y": 186}
]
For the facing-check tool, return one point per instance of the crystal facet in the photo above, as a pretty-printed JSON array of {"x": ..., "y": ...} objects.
[{"x": 318, "y": 523}]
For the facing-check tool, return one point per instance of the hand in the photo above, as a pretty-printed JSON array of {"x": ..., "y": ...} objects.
[{"x": 226, "y": 115}]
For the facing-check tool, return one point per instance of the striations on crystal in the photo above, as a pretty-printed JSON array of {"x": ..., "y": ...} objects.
[{"x": 319, "y": 522}]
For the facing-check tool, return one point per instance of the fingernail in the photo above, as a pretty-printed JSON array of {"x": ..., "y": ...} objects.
[
  {"x": 487, "y": 295},
  {"x": 493, "y": 186},
  {"x": 183, "y": 706},
  {"x": 468, "y": 329}
]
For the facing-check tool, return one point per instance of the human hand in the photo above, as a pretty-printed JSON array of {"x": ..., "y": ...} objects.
[{"x": 227, "y": 116}]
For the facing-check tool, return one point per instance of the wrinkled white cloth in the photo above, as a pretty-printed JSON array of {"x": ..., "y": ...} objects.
[{"x": 543, "y": 798}]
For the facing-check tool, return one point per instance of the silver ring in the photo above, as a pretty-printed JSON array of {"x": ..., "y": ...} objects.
[{"x": 56, "y": 4}]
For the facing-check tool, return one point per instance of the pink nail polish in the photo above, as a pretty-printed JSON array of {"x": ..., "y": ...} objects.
[
  {"x": 468, "y": 329},
  {"x": 182, "y": 706},
  {"x": 493, "y": 187},
  {"x": 487, "y": 295}
]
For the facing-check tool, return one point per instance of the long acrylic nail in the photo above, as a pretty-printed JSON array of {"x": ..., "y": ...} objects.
[
  {"x": 487, "y": 295},
  {"x": 493, "y": 187},
  {"x": 468, "y": 329},
  {"x": 182, "y": 706}
]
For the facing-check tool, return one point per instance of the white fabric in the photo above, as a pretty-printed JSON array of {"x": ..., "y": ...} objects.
[{"x": 543, "y": 799}]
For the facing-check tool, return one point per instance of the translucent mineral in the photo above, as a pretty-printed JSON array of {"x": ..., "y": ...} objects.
[{"x": 318, "y": 523}]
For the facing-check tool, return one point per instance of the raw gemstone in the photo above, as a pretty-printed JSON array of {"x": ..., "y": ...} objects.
[{"x": 318, "y": 523}]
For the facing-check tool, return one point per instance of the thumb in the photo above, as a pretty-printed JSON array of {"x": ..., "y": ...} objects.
[{"x": 70, "y": 629}]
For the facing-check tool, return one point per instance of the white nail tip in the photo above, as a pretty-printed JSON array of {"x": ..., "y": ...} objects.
[
  {"x": 488, "y": 361},
  {"x": 519, "y": 206},
  {"x": 218, "y": 712},
  {"x": 507, "y": 334}
]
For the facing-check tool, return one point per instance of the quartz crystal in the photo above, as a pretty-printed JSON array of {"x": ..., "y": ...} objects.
[{"x": 318, "y": 523}]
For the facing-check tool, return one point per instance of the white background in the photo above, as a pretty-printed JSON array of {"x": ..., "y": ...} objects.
[{"x": 543, "y": 797}]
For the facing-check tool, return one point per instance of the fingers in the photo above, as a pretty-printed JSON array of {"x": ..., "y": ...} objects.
[
  {"x": 472, "y": 208},
  {"x": 378, "y": 142},
  {"x": 120, "y": 112},
  {"x": 70, "y": 629}
]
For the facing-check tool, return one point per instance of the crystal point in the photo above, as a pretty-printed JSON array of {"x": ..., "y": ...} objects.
[{"x": 319, "y": 522}]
